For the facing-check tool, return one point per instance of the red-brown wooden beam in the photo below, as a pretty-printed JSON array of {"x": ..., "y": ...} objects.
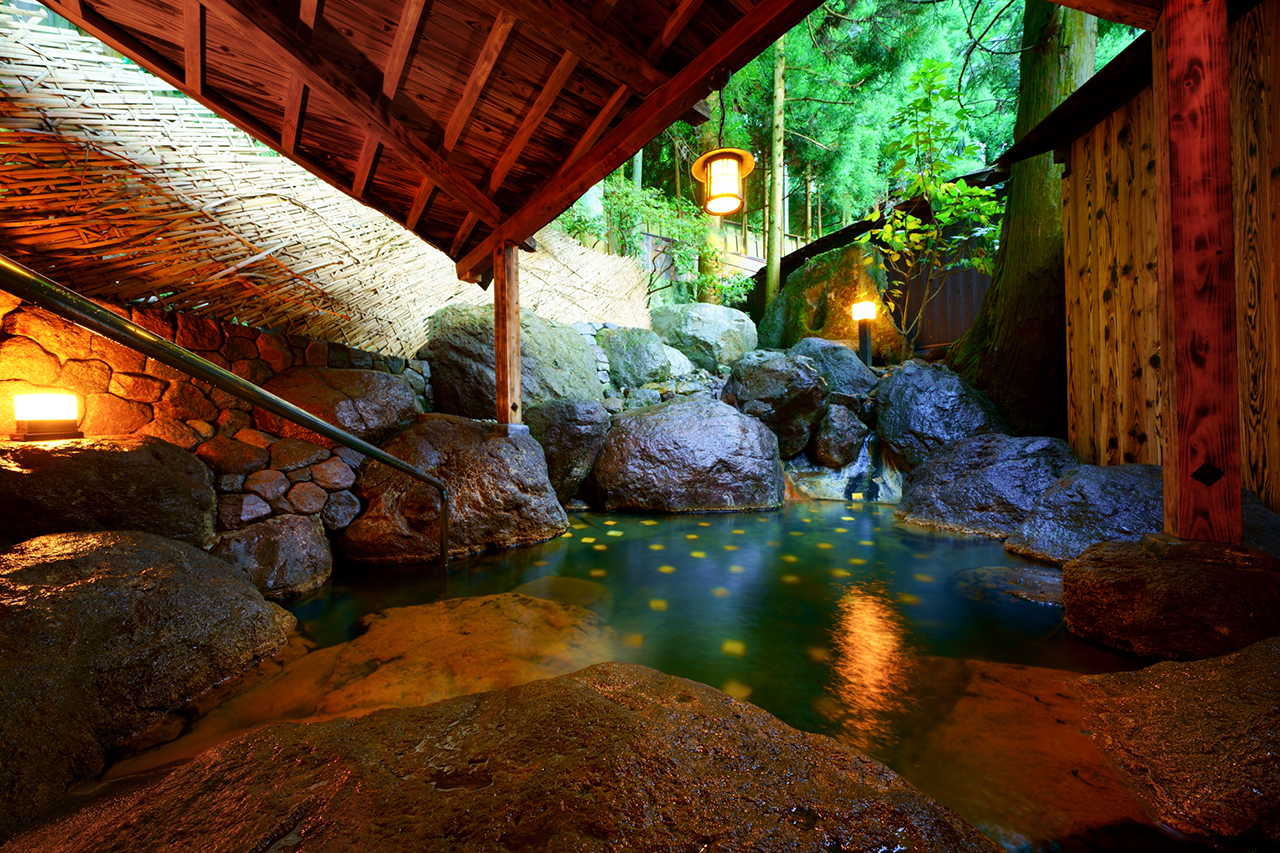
[
  {"x": 744, "y": 40},
  {"x": 193, "y": 24},
  {"x": 1197, "y": 272},
  {"x": 410, "y": 18},
  {"x": 506, "y": 329},
  {"x": 1135, "y": 13}
]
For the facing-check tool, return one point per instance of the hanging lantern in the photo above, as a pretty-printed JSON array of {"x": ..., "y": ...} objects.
[
  {"x": 721, "y": 172},
  {"x": 44, "y": 417}
]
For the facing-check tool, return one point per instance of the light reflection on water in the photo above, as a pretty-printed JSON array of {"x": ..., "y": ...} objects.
[{"x": 820, "y": 613}]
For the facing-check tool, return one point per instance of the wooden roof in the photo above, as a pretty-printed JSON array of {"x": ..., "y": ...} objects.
[{"x": 471, "y": 122}]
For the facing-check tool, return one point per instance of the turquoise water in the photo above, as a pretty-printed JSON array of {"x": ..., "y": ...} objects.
[{"x": 818, "y": 613}]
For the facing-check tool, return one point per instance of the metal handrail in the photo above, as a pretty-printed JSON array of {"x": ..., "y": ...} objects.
[{"x": 49, "y": 295}]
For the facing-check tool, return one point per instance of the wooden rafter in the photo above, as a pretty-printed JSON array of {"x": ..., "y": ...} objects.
[
  {"x": 402, "y": 46},
  {"x": 672, "y": 28},
  {"x": 364, "y": 166},
  {"x": 502, "y": 25},
  {"x": 419, "y": 204},
  {"x": 309, "y": 13},
  {"x": 747, "y": 38},
  {"x": 193, "y": 44},
  {"x": 573, "y": 31},
  {"x": 256, "y": 22},
  {"x": 295, "y": 104},
  {"x": 1134, "y": 13}
]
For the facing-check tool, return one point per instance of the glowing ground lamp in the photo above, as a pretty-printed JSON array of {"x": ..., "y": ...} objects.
[
  {"x": 721, "y": 172},
  {"x": 44, "y": 417},
  {"x": 864, "y": 313}
]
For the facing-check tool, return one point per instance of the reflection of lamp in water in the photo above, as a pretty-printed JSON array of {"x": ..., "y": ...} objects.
[
  {"x": 43, "y": 417},
  {"x": 864, "y": 313},
  {"x": 871, "y": 668}
]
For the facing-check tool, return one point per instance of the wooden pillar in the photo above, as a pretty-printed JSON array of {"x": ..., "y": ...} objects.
[
  {"x": 1201, "y": 455},
  {"x": 506, "y": 328}
]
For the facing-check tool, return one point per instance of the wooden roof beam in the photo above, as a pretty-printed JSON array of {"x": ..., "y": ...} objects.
[
  {"x": 364, "y": 166},
  {"x": 671, "y": 29},
  {"x": 573, "y": 31},
  {"x": 1135, "y": 13},
  {"x": 745, "y": 39},
  {"x": 193, "y": 25},
  {"x": 295, "y": 104},
  {"x": 259, "y": 25},
  {"x": 502, "y": 25},
  {"x": 410, "y": 18}
]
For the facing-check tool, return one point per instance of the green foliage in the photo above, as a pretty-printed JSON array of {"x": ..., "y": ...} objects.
[{"x": 939, "y": 223}]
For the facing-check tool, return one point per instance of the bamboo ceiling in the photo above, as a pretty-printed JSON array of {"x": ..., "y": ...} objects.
[{"x": 471, "y": 122}]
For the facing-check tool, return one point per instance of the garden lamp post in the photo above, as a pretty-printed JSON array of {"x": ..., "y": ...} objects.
[
  {"x": 44, "y": 417},
  {"x": 864, "y": 313}
]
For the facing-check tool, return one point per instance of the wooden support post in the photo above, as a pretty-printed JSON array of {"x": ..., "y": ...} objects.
[
  {"x": 1197, "y": 272},
  {"x": 506, "y": 328}
]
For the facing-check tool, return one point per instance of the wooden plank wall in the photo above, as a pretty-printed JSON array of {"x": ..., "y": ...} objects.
[{"x": 1109, "y": 217}]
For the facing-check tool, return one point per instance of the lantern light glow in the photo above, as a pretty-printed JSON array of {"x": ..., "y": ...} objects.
[
  {"x": 721, "y": 173},
  {"x": 863, "y": 310},
  {"x": 44, "y": 417}
]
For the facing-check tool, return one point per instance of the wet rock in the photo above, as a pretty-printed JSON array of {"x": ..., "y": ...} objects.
[
  {"x": 872, "y": 476},
  {"x": 986, "y": 484},
  {"x": 785, "y": 393},
  {"x": 680, "y": 363},
  {"x": 1173, "y": 600},
  {"x": 183, "y": 401},
  {"x": 228, "y": 456},
  {"x": 571, "y": 433},
  {"x": 1039, "y": 586},
  {"x": 333, "y": 475},
  {"x": 498, "y": 485},
  {"x": 290, "y": 454},
  {"x": 127, "y": 483},
  {"x": 102, "y": 633},
  {"x": 299, "y": 475},
  {"x": 839, "y": 364},
  {"x": 838, "y": 438},
  {"x": 176, "y": 433},
  {"x": 640, "y": 398},
  {"x": 615, "y": 757},
  {"x": 555, "y": 362},
  {"x": 203, "y": 333},
  {"x": 708, "y": 335},
  {"x": 257, "y": 438},
  {"x": 267, "y": 484},
  {"x": 235, "y": 511},
  {"x": 1198, "y": 740},
  {"x": 22, "y": 358},
  {"x": 690, "y": 454},
  {"x": 204, "y": 429},
  {"x": 1091, "y": 504},
  {"x": 921, "y": 409},
  {"x": 136, "y": 386},
  {"x": 340, "y": 509},
  {"x": 635, "y": 356},
  {"x": 284, "y": 557},
  {"x": 225, "y": 484},
  {"x": 368, "y": 404},
  {"x": 307, "y": 497}
]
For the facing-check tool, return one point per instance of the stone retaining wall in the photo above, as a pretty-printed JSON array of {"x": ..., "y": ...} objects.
[{"x": 119, "y": 391}]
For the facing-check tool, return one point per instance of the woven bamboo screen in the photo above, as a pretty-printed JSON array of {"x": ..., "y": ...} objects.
[{"x": 116, "y": 186}]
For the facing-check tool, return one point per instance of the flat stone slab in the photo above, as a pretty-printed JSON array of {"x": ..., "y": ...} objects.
[
  {"x": 1199, "y": 740},
  {"x": 1039, "y": 586},
  {"x": 615, "y": 757}
]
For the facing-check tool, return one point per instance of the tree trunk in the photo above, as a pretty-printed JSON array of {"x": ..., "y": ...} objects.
[
  {"x": 773, "y": 251},
  {"x": 808, "y": 204},
  {"x": 1016, "y": 349},
  {"x": 709, "y": 257}
]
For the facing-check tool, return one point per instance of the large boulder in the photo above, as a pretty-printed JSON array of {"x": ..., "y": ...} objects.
[
  {"x": 783, "y": 392},
  {"x": 635, "y": 356},
  {"x": 838, "y": 438},
  {"x": 102, "y": 633},
  {"x": 690, "y": 454},
  {"x": 816, "y": 298},
  {"x": 873, "y": 475},
  {"x": 369, "y": 404},
  {"x": 614, "y": 757},
  {"x": 921, "y": 409},
  {"x": 709, "y": 335},
  {"x": 1173, "y": 600},
  {"x": 680, "y": 363},
  {"x": 285, "y": 556},
  {"x": 1091, "y": 504},
  {"x": 403, "y": 657},
  {"x": 846, "y": 375},
  {"x": 498, "y": 490},
  {"x": 1199, "y": 741},
  {"x": 126, "y": 483},
  {"x": 986, "y": 484},
  {"x": 571, "y": 433},
  {"x": 556, "y": 363}
]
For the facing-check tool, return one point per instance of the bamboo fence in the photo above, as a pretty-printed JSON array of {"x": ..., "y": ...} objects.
[{"x": 125, "y": 190}]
